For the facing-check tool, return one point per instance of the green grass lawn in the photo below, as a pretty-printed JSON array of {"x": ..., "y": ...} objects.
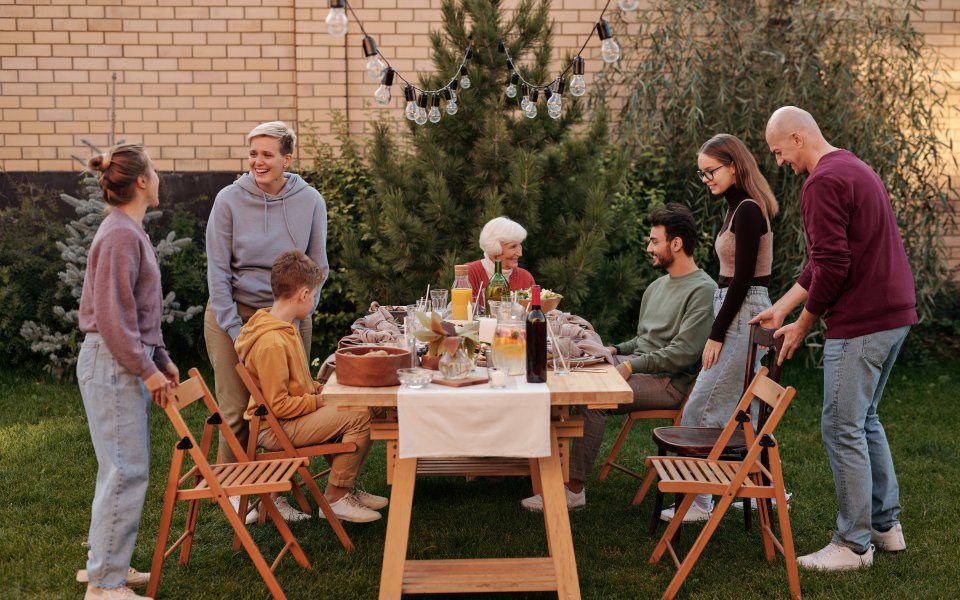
[{"x": 49, "y": 468}]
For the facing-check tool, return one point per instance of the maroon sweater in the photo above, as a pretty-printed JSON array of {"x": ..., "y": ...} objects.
[
  {"x": 121, "y": 298},
  {"x": 858, "y": 277}
]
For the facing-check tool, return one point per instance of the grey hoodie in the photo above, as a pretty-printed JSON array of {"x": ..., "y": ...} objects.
[{"x": 247, "y": 230}]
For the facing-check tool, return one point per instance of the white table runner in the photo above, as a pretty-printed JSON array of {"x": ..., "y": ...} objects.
[{"x": 441, "y": 421}]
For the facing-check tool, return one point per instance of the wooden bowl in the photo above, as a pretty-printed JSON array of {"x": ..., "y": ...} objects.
[
  {"x": 355, "y": 368},
  {"x": 546, "y": 304}
]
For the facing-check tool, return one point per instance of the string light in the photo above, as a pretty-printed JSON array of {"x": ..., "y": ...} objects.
[
  {"x": 424, "y": 105},
  {"x": 552, "y": 91}
]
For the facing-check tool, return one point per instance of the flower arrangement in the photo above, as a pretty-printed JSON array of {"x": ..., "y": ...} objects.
[{"x": 442, "y": 336}]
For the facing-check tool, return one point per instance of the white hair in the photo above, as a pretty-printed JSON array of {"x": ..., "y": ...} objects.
[
  {"x": 278, "y": 130},
  {"x": 496, "y": 232}
]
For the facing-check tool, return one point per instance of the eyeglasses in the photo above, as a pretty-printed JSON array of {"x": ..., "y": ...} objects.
[{"x": 708, "y": 174}]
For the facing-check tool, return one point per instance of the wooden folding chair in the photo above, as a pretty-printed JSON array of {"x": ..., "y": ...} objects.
[
  {"x": 288, "y": 450},
  {"x": 609, "y": 462},
  {"x": 698, "y": 441},
  {"x": 747, "y": 478},
  {"x": 217, "y": 482}
]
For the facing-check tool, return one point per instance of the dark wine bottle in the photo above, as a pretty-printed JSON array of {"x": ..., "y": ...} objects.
[{"x": 536, "y": 340}]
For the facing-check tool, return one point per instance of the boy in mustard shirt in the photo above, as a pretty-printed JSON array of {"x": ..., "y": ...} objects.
[{"x": 270, "y": 347}]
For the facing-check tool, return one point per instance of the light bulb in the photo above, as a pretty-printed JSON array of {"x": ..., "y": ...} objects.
[
  {"x": 337, "y": 20},
  {"x": 375, "y": 67},
  {"x": 511, "y": 91},
  {"x": 421, "y": 116},
  {"x": 452, "y": 107},
  {"x": 434, "y": 114},
  {"x": 578, "y": 86},
  {"x": 628, "y": 5},
  {"x": 382, "y": 95},
  {"x": 554, "y": 114},
  {"x": 531, "y": 110},
  {"x": 610, "y": 50},
  {"x": 453, "y": 95},
  {"x": 411, "y": 111},
  {"x": 465, "y": 82},
  {"x": 524, "y": 102},
  {"x": 554, "y": 102}
]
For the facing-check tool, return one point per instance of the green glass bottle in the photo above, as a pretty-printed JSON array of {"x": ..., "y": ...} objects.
[{"x": 497, "y": 289}]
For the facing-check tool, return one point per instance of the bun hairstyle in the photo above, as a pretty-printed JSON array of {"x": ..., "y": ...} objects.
[
  {"x": 729, "y": 149},
  {"x": 279, "y": 131},
  {"x": 119, "y": 168}
]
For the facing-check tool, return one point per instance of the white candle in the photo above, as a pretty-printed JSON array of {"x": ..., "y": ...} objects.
[{"x": 498, "y": 378}]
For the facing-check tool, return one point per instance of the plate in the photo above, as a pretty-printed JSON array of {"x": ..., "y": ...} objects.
[{"x": 582, "y": 361}]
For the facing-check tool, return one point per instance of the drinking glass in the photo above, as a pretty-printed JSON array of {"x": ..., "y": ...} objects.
[
  {"x": 510, "y": 345},
  {"x": 438, "y": 300},
  {"x": 562, "y": 346},
  {"x": 497, "y": 376}
]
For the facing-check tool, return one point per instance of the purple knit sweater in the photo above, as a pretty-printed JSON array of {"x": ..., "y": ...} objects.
[
  {"x": 122, "y": 299},
  {"x": 858, "y": 276}
]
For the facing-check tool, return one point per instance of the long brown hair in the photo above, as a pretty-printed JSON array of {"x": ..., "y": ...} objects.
[
  {"x": 119, "y": 168},
  {"x": 728, "y": 149}
]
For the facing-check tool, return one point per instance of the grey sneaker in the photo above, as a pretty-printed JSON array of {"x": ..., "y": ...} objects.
[
  {"x": 890, "y": 540},
  {"x": 134, "y": 577},
  {"x": 371, "y": 501},
  {"x": 120, "y": 593},
  {"x": 575, "y": 501},
  {"x": 252, "y": 513},
  {"x": 289, "y": 513},
  {"x": 694, "y": 515},
  {"x": 349, "y": 508},
  {"x": 836, "y": 557}
]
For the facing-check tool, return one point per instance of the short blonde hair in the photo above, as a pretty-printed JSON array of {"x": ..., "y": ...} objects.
[
  {"x": 497, "y": 231},
  {"x": 277, "y": 130}
]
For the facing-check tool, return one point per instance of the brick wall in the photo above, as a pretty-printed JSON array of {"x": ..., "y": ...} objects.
[{"x": 194, "y": 76}]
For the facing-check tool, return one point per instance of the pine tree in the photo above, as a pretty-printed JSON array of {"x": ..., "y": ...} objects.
[{"x": 436, "y": 185}]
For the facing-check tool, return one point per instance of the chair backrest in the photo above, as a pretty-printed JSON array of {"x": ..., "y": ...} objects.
[
  {"x": 262, "y": 411},
  {"x": 760, "y": 336},
  {"x": 773, "y": 396},
  {"x": 187, "y": 393}
]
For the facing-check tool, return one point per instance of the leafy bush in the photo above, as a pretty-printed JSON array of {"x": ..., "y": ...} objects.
[{"x": 700, "y": 67}]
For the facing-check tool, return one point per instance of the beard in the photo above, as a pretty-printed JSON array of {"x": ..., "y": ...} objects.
[{"x": 662, "y": 261}]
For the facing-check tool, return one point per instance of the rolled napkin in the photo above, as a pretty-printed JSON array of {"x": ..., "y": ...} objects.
[
  {"x": 379, "y": 319},
  {"x": 585, "y": 340},
  {"x": 361, "y": 337}
]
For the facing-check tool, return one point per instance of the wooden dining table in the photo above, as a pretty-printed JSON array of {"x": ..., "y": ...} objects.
[{"x": 555, "y": 572}]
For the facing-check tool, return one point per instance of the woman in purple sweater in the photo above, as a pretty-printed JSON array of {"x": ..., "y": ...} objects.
[{"x": 122, "y": 365}]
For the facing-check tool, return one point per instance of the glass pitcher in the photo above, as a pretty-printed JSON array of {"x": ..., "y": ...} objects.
[{"x": 510, "y": 340}]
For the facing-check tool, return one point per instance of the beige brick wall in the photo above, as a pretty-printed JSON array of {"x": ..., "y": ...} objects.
[{"x": 193, "y": 76}]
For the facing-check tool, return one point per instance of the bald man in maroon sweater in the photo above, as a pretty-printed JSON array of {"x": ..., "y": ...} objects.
[{"x": 859, "y": 281}]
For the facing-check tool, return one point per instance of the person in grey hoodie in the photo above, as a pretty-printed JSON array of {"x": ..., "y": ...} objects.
[{"x": 264, "y": 213}]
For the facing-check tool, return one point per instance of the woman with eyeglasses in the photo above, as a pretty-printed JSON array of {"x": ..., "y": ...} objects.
[{"x": 745, "y": 249}]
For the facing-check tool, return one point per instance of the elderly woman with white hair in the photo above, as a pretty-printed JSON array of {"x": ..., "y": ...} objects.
[
  {"x": 501, "y": 239},
  {"x": 265, "y": 212}
]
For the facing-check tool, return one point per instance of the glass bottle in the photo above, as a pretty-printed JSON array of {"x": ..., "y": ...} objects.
[
  {"x": 536, "y": 340},
  {"x": 497, "y": 288},
  {"x": 460, "y": 294}
]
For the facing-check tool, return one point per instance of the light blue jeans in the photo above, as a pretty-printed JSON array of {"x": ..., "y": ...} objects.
[
  {"x": 118, "y": 413},
  {"x": 855, "y": 372},
  {"x": 719, "y": 389}
]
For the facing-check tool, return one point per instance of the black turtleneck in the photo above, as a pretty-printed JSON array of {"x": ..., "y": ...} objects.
[{"x": 748, "y": 226}]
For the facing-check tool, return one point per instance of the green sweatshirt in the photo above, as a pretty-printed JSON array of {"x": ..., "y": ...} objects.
[{"x": 676, "y": 314}]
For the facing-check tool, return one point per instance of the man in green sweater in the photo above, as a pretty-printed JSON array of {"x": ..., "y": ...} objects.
[{"x": 661, "y": 362}]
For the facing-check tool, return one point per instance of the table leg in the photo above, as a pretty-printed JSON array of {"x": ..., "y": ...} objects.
[
  {"x": 559, "y": 536},
  {"x": 398, "y": 529}
]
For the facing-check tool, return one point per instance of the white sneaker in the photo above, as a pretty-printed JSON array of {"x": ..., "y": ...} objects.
[
  {"x": 252, "y": 513},
  {"x": 134, "y": 577},
  {"x": 575, "y": 501},
  {"x": 890, "y": 540},
  {"x": 120, "y": 593},
  {"x": 694, "y": 515},
  {"x": 349, "y": 508},
  {"x": 836, "y": 557},
  {"x": 369, "y": 500},
  {"x": 289, "y": 513},
  {"x": 753, "y": 503}
]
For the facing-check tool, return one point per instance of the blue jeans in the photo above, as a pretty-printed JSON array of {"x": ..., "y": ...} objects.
[
  {"x": 718, "y": 390},
  {"x": 855, "y": 372},
  {"x": 118, "y": 413}
]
